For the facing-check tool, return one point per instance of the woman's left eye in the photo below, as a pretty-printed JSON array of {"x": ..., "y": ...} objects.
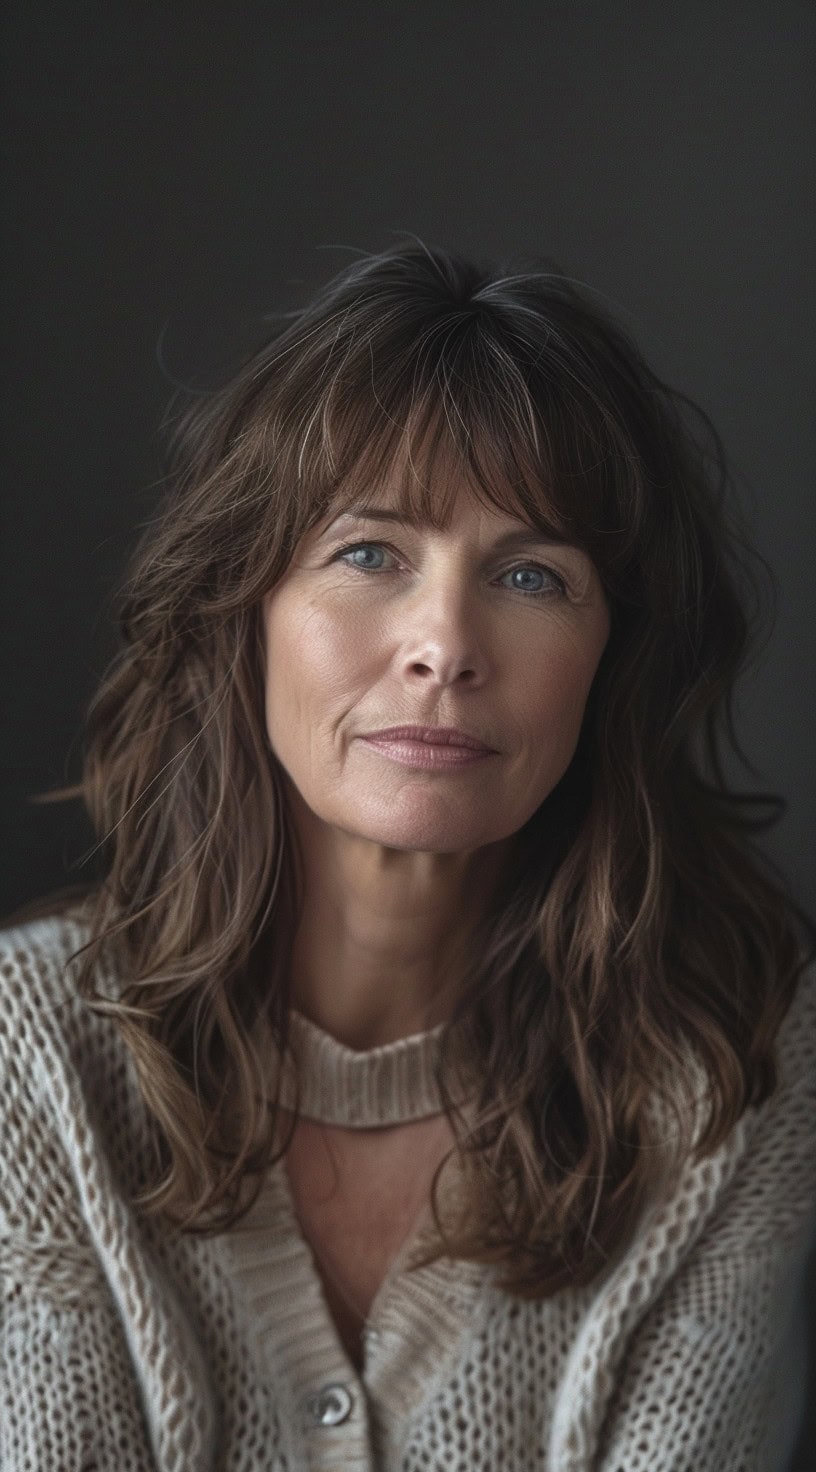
[{"x": 344, "y": 554}]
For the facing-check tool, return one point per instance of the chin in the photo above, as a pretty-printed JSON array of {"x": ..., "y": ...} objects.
[{"x": 441, "y": 831}]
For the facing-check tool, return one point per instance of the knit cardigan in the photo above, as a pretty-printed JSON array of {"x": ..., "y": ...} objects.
[{"x": 128, "y": 1348}]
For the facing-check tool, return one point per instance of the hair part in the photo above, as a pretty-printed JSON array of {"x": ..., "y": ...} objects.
[{"x": 637, "y": 881}]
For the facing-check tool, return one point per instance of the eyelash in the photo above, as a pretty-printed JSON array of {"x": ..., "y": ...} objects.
[{"x": 560, "y": 591}]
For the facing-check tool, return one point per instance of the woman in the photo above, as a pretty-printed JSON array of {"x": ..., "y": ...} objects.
[{"x": 431, "y": 1098}]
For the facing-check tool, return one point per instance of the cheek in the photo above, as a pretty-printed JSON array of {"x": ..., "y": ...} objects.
[
  {"x": 555, "y": 690},
  {"x": 570, "y": 684},
  {"x": 328, "y": 654}
]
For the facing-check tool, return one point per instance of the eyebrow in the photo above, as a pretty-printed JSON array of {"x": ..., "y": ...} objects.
[{"x": 523, "y": 537}]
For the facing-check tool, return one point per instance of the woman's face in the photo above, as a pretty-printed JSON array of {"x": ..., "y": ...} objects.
[{"x": 416, "y": 627}]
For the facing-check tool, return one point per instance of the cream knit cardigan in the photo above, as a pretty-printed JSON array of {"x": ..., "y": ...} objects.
[{"x": 123, "y": 1350}]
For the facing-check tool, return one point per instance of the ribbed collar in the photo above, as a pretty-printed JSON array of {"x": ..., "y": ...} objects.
[{"x": 390, "y": 1084}]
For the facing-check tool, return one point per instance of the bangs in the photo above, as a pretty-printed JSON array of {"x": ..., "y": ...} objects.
[{"x": 408, "y": 421}]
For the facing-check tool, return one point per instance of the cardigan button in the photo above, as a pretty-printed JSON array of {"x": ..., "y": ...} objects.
[{"x": 330, "y": 1406}]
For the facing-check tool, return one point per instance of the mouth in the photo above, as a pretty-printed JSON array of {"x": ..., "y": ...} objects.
[
  {"x": 437, "y": 736},
  {"x": 428, "y": 755}
]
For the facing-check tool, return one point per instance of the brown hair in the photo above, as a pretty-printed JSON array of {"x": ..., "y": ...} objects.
[{"x": 640, "y": 941}]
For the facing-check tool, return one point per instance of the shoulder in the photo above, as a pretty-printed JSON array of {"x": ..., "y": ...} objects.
[
  {"x": 700, "y": 1302},
  {"x": 756, "y": 1192},
  {"x": 774, "y": 1144},
  {"x": 65, "y": 1071},
  {"x": 780, "y": 1146},
  {"x": 796, "y": 1042},
  {"x": 780, "y": 1134},
  {"x": 34, "y": 960},
  {"x": 42, "y": 1014},
  {"x": 750, "y": 1198},
  {"x": 73, "y": 1131}
]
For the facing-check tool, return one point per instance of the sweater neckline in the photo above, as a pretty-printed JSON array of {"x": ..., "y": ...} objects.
[{"x": 327, "y": 1081}]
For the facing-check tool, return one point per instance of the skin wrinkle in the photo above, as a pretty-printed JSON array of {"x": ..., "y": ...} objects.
[{"x": 396, "y": 859}]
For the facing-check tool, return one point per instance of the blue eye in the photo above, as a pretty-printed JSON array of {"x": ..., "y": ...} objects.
[
  {"x": 557, "y": 587},
  {"x": 359, "y": 547},
  {"x": 537, "y": 571}
]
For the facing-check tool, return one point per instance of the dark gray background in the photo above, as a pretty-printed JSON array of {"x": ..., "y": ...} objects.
[{"x": 174, "y": 171}]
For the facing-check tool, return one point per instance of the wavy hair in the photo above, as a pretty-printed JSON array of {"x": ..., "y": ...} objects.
[{"x": 639, "y": 943}]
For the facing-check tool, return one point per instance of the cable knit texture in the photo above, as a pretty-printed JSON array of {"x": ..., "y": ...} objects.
[{"x": 125, "y": 1348}]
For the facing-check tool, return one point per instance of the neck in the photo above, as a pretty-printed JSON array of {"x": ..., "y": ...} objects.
[{"x": 385, "y": 935}]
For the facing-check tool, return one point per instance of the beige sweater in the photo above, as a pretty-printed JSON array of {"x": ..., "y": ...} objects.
[{"x": 122, "y": 1350}]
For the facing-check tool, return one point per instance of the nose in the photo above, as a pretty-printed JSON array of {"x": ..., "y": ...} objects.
[
  {"x": 437, "y": 668},
  {"x": 443, "y": 646}
]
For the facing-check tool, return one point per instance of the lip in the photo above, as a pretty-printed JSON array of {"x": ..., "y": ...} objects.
[
  {"x": 428, "y": 756},
  {"x": 437, "y": 736}
]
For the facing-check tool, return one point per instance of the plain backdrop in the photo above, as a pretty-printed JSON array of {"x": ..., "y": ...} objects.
[{"x": 173, "y": 172}]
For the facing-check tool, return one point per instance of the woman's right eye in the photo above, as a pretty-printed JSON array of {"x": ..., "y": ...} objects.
[{"x": 344, "y": 553}]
